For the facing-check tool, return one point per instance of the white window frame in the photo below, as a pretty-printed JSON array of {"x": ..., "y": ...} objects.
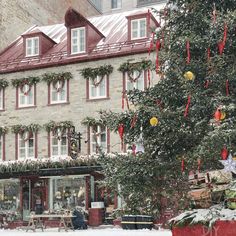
[
  {"x": 78, "y": 40},
  {"x": 33, "y": 49},
  {"x": 26, "y": 147},
  {"x": 135, "y": 84},
  {"x": 1, "y": 98},
  {"x": 58, "y": 94},
  {"x": 138, "y": 30},
  {"x": 118, "y": 4},
  {"x": 59, "y": 145},
  {"x": 26, "y": 97},
  {"x": 1, "y": 147},
  {"x": 98, "y": 141},
  {"x": 98, "y": 88}
]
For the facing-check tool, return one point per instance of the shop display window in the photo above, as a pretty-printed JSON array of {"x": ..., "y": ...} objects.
[
  {"x": 10, "y": 199},
  {"x": 68, "y": 193}
]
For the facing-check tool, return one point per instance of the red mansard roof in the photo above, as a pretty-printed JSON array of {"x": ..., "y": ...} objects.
[{"x": 114, "y": 43}]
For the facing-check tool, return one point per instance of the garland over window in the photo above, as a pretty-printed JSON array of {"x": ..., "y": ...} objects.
[
  {"x": 40, "y": 164},
  {"x": 130, "y": 68},
  {"x": 55, "y": 77},
  {"x": 92, "y": 73},
  {"x": 58, "y": 129},
  {"x": 23, "y": 81},
  {"x": 90, "y": 121},
  {"x": 3, "y": 130},
  {"x": 3, "y": 83},
  {"x": 26, "y": 131}
]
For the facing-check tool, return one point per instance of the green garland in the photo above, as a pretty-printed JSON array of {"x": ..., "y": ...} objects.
[
  {"x": 28, "y": 80},
  {"x": 92, "y": 73},
  {"x": 54, "y": 77},
  {"x": 3, "y": 83},
  {"x": 3, "y": 130},
  {"x": 36, "y": 165},
  {"x": 138, "y": 66},
  {"x": 90, "y": 121},
  {"x": 52, "y": 125},
  {"x": 25, "y": 128}
]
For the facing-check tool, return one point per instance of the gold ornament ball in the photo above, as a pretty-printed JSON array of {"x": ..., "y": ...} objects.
[
  {"x": 154, "y": 121},
  {"x": 222, "y": 115},
  {"x": 189, "y": 75}
]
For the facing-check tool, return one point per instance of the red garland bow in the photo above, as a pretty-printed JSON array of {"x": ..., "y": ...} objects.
[
  {"x": 187, "y": 106},
  {"x": 227, "y": 87},
  {"x": 133, "y": 121},
  {"x": 206, "y": 84},
  {"x": 188, "y": 51}
]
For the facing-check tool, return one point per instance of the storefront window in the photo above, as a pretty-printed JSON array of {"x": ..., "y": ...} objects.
[
  {"x": 10, "y": 199},
  {"x": 68, "y": 192}
]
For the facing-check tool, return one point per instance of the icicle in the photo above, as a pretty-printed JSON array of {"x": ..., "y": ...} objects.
[{"x": 187, "y": 106}]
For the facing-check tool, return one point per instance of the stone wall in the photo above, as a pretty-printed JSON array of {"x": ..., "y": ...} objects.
[
  {"x": 77, "y": 109},
  {"x": 16, "y": 16}
]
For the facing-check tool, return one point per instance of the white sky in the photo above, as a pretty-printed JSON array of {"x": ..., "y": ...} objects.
[{"x": 89, "y": 232}]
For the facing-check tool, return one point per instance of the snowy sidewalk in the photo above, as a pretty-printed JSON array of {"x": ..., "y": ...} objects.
[{"x": 90, "y": 232}]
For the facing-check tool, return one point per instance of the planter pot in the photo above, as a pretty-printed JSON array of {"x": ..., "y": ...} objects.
[
  {"x": 128, "y": 222},
  {"x": 220, "y": 228},
  {"x": 144, "y": 222}
]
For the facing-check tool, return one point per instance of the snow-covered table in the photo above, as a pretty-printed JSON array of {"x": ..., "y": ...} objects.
[{"x": 36, "y": 222}]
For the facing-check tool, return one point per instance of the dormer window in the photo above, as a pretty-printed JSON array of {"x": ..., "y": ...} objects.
[
  {"x": 32, "y": 46},
  {"x": 138, "y": 28},
  {"x": 78, "y": 40}
]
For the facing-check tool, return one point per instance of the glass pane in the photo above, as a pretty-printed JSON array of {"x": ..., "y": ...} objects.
[
  {"x": 54, "y": 96},
  {"x": 55, "y": 150},
  {"x": 142, "y": 28},
  {"x": 75, "y": 48},
  {"x": 103, "y": 137},
  {"x": 54, "y": 141},
  {"x": 75, "y": 33},
  {"x": 102, "y": 88},
  {"x": 22, "y": 153},
  {"x": 31, "y": 152},
  {"x": 63, "y": 140},
  {"x": 22, "y": 143},
  {"x": 74, "y": 41},
  {"x": 62, "y": 95},
  {"x": 22, "y": 99},
  {"x": 63, "y": 150},
  {"x": 31, "y": 142},
  {"x": 134, "y": 25},
  {"x": 82, "y": 40},
  {"x": 140, "y": 82},
  {"x": 36, "y": 46}
]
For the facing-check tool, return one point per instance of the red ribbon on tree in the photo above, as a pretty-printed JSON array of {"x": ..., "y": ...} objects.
[
  {"x": 133, "y": 121},
  {"x": 227, "y": 87},
  {"x": 187, "y": 106},
  {"x": 182, "y": 165},
  {"x": 188, "y": 51},
  {"x": 158, "y": 46},
  {"x": 151, "y": 44},
  {"x": 208, "y": 54},
  {"x": 206, "y": 85},
  {"x": 221, "y": 44},
  {"x": 224, "y": 153},
  {"x": 121, "y": 129}
]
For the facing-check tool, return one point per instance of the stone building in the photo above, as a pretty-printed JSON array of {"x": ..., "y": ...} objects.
[
  {"x": 52, "y": 78},
  {"x": 25, "y": 13}
]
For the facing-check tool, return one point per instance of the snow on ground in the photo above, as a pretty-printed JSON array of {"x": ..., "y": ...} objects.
[{"x": 90, "y": 232}]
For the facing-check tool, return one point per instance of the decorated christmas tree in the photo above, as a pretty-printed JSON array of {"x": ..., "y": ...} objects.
[{"x": 186, "y": 122}]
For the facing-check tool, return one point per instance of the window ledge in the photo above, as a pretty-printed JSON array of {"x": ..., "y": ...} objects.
[
  {"x": 59, "y": 103},
  {"x": 97, "y": 99},
  {"x": 1, "y": 110},
  {"x": 28, "y": 107}
]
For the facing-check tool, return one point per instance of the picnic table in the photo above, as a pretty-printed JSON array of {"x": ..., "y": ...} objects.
[{"x": 36, "y": 221}]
